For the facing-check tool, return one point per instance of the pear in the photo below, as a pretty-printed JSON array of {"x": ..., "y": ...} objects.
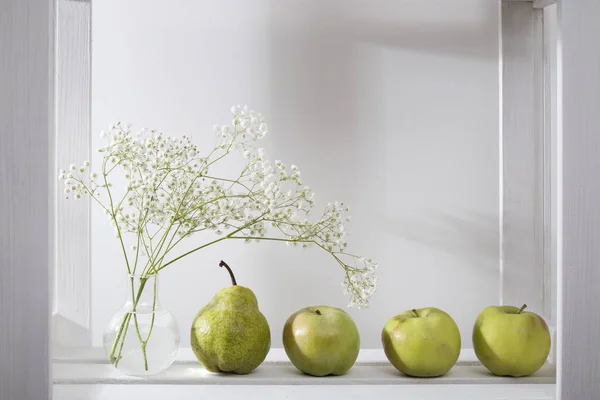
[{"x": 230, "y": 334}]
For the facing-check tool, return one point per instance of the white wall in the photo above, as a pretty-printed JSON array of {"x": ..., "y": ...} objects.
[{"x": 389, "y": 106}]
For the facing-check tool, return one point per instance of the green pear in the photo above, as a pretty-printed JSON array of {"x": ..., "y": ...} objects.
[
  {"x": 230, "y": 334},
  {"x": 321, "y": 340},
  {"x": 423, "y": 343},
  {"x": 510, "y": 342}
]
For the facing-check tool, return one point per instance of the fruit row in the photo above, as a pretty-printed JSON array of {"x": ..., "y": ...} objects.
[{"x": 230, "y": 334}]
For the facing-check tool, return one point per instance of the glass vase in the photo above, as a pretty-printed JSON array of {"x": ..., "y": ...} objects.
[{"x": 142, "y": 338}]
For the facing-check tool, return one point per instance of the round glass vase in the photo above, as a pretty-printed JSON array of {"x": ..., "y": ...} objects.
[{"x": 142, "y": 338}]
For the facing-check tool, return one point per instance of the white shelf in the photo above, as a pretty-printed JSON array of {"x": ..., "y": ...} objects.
[
  {"x": 95, "y": 355},
  {"x": 286, "y": 374},
  {"x": 404, "y": 392},
  {"x": 86, "y": 376}
]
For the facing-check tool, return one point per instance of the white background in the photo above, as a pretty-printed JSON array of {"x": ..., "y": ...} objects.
[{"x": 392, "y": 107}]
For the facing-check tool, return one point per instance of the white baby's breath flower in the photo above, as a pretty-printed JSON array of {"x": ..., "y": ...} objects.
[{"x": 170, "y": 190}]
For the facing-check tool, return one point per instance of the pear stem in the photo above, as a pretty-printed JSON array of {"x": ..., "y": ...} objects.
[
  {"x": 224, "y": 264},
  {"x": 415, "y": 312},
  {"x": 522, "y": 308},
  {"x": 318, "y": 312}
]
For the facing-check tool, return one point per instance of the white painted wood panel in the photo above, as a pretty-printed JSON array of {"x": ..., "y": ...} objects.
[
  {"x": 73, "y": 144},
  {"x": 26, "y": 121},
  {"x": 579, "y": 121},
  {"x": 523, "y": 239},
  {"x": 550, "y": 162}
]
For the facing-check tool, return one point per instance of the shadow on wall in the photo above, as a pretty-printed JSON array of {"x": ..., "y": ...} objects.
[
  {"x": 325, "y": 64},
  {"x": 324, "y": 59},
  {"x": 470, "y": 236},
  {"x": 440, "y": 27}
]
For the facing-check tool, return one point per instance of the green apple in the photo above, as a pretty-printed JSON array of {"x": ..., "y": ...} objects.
[
  {"x": 321, "y": 340},
  {"x": 510, "y": 342},
  {"x": 422, "y": 343}
]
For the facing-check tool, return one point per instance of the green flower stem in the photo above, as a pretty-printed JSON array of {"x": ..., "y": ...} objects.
[
  {"x": 134, "y": 310},
  {"x": 153, "y": 257},
  {"x": 158, "y": 262},
  {"x": 111, "y": 356},
  {"x": 190, "y": 252},
  {"x": 345, "y": 266},
  {"x": 140, "y": 237},
  {"x": 114, "y": 216},
  {"x": 153, "y": 314},
  {"x": 121, "y": 334},
  {"x": 118, "y": 358},
  {"x": 254, "y": 221}
]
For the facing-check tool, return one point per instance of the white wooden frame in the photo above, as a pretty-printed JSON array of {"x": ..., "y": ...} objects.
[
  {"x": 579, "y": 139},
  {"x": 72, "y": 301},
  {"x": 524, "y": 265},
  {"x": 26, "y": 129},
  {"x": 26, "y": 123}
]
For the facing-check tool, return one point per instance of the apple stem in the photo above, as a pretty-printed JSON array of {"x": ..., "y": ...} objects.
[
  {"x": 522, "y": 308},
  {"x": 224, "y": 264},
  {"x": 415, "y": 312},
  {"x": 318, "y": 312}
]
